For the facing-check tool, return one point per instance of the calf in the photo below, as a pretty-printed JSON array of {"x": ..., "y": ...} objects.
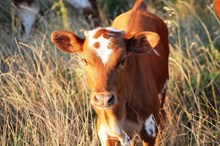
[
  {"x": 29, "y": 9},
  {"x": 127, "y": 70}
]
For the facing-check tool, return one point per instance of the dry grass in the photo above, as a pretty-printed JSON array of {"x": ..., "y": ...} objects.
[{"x": 44, "y": 98}]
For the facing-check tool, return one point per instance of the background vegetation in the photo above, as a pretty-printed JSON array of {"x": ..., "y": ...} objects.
[{"x": 44, "y": 98}]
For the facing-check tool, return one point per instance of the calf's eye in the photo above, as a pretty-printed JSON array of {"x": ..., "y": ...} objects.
[{"x": 122, "y": 62}]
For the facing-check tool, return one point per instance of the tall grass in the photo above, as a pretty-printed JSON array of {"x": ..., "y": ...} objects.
[
  {"x": 193, "y": 102},
  {"x": 41, "y": 102},
  {"x": 44, "y": 98}
]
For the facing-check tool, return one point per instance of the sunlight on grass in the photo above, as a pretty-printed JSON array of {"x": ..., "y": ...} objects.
[{"x": 44, "y": 97}]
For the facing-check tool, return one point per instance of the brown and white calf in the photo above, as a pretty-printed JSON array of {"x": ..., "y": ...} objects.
[
  {"x": 127, "y": 70},
  {"x": 29, "y": 9}
]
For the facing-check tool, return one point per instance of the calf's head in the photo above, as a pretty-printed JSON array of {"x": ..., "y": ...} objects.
[{"x": 104, "y": 52}]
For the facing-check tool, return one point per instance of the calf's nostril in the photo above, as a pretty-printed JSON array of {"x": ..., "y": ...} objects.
[
  {"x": 96, "y": 99},
  {"x": 111, "y": 100}
]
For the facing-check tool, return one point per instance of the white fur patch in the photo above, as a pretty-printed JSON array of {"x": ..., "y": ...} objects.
[
  {"x": 80, "y": 4},
  {"x": 103, "y": 51},
  {"x": 114, "y": 132},
  {"x": 150, "y": 126},
  {"x": 102, "y": 135}
]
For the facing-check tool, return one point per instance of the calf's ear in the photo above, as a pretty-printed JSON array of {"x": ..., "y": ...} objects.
[
  {"x": 143, "y": 42},
  {"x": 67, "y": 41}
]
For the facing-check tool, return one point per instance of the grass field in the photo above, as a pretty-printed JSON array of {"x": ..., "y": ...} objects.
[{"x": 44, "y": 97}]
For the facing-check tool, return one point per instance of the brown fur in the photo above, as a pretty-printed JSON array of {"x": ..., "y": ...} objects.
[{"x": 217, "y": 7}]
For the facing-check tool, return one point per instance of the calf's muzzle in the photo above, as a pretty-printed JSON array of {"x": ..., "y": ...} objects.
[{"x": 104, "y": 100}]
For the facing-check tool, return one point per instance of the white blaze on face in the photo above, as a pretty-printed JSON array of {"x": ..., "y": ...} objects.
[
  {"x": 150, "y": 126},
  {"x": 103, "y": 51}
]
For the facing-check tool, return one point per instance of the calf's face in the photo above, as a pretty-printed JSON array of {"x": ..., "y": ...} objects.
[{"x": 104, "y": 52}]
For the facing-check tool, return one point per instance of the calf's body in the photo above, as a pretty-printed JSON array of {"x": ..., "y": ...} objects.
[{"x": 127, "y": 70}]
